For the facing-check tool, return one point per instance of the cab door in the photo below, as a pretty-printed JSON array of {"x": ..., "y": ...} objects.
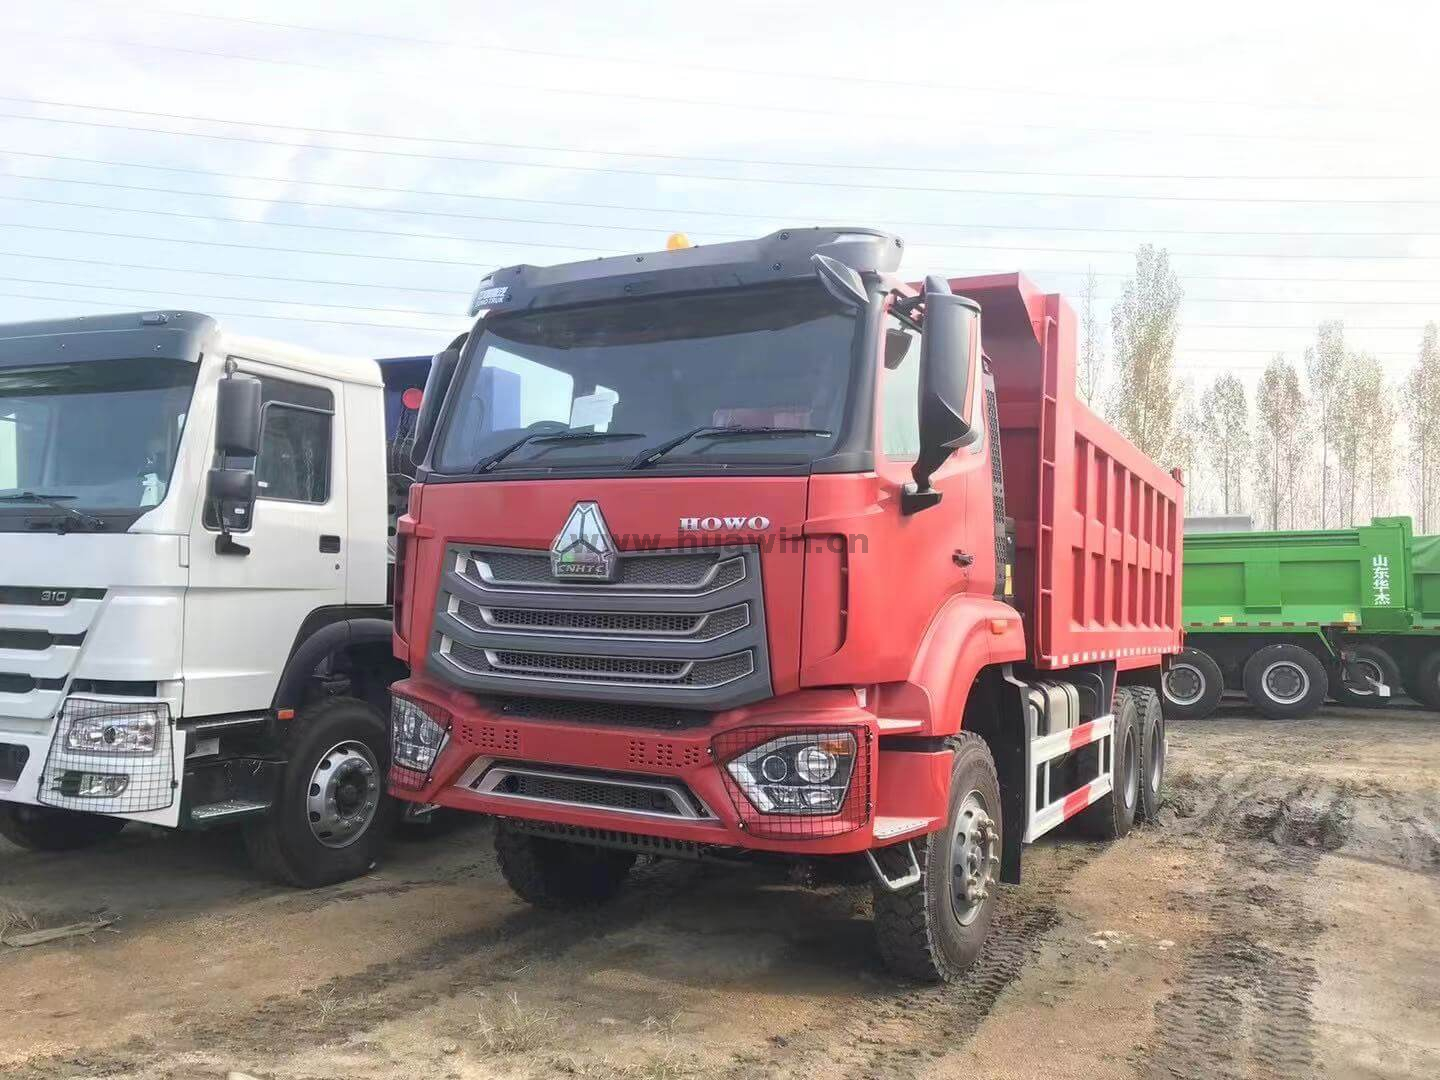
[{"x": 243, "y": 611}]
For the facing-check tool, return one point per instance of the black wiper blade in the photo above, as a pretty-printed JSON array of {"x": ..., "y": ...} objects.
[
  {"x": 719, "y": 431},
  {"x": 54, "y": 502},
  {"x": 486, "y": 464}
]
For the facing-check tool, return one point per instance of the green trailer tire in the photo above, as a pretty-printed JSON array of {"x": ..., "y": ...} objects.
[
  {"x": 1286, "y": 682},
  {"x": 1192, "y": 686},
  {"x": 1427, "y": 681},
  {"x": 1376, "y": 663}
]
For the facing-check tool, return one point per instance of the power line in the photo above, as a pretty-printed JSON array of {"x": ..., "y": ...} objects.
[
  {"x": 214, "y": 296},
  {"x": 237, "y": 314},
  {"x": 748, "y": 106},
  {"x": 651, "y": 62},
  {"x": 472, "y": 196},
  {"x": 711, "y": 177},
  {"x": 621, "y": 251},
  {"x": 362, "y": 207},
  {"x": 771, "y": 163}
]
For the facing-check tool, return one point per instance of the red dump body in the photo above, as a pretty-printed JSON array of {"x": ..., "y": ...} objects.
[{"x": 1097, "y": 523}]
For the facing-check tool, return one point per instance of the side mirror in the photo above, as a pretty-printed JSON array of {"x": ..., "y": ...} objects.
[
  {"x": 442, "y": 371},
  {"x": 237, "y": 416},
  {"x": 949, "y": 349},
  {"x": 840, "y": 281},
  {"x": 232, "y": 493}
]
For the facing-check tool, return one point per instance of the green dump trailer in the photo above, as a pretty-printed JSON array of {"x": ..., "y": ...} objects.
[{"x": 1292, "y": 618}]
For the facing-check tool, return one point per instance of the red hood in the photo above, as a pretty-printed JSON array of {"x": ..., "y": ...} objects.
[{"x": 641, "y": 513}]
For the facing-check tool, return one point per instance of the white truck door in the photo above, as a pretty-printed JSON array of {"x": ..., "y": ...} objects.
[{"x": 242, "y": 612}]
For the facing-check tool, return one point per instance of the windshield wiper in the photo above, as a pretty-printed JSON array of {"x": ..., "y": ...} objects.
[
  {"x": 91, "y": 521},
  {"x": 718, "y": 431},
  {"x": 486, "y": 464}
]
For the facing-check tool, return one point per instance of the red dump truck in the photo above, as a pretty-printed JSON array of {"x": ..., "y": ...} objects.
[{"x": 754, "y": 551}]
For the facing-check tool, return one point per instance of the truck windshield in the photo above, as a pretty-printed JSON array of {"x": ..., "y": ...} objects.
[
  {"x": 755, "y": 358},
  {"x": 100, "y": 435}
]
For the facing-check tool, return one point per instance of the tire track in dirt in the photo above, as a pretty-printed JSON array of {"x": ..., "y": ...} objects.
[{"x": 350, "y": 1005}]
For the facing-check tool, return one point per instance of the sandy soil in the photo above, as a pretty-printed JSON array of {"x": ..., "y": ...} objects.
[{"x": 1282, "y": 921}]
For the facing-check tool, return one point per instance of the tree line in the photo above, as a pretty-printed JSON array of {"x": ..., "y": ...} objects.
[{"x": 1325, "y": 440}]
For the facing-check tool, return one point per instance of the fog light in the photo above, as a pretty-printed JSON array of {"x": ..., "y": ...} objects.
[{"x": 92, "y": 785}]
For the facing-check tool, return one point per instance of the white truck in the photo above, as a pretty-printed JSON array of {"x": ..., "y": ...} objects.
[{"x": 194, "y": 612}]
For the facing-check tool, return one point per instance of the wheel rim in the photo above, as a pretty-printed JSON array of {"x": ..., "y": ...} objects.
[
  {"x": 1129, "y": 769},
  {"x": 1285, "y": 682},
  {"x": 974, "y": 858},
  {"x": 1184, "y": 684},
  {"x": 343, "y": 794},
  {"x": 1371, "y": 671},
  {"x": 1155, "y": 760}
]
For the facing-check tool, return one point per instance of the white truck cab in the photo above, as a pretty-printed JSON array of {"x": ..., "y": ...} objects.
[{"x": 194, "y": 620}]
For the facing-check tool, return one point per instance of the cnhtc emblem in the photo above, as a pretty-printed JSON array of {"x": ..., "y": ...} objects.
[{"x": 584, "y": 548}]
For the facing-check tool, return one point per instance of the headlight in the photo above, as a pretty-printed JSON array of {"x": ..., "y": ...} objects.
[
  {"x": 112, "y": 727},
  {"x": 415, "y": 739},
  {"x": 797, "y": 774}
]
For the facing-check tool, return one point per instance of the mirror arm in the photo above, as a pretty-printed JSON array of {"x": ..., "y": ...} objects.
[{"x": 225, "y": 543}]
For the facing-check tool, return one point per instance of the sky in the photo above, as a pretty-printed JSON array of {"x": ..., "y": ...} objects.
[{"x": 342, "y": 175}]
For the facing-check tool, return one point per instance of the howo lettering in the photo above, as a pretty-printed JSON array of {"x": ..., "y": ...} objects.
[{"x": 974, "y": 663}]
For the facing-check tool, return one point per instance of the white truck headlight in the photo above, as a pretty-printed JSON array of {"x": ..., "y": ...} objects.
[
  {"x": 797, "y": 774},
  {"x": 112, "y": 727},
  {"x": 416, "y": 739}
]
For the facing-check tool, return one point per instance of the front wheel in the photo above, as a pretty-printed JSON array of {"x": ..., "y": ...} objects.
[
  {"x": 39, "y": 828},
  {"x": 331, "y": 812},
  {"x": 934, "y": 931},
  {"x": 1285, "y": 682}
]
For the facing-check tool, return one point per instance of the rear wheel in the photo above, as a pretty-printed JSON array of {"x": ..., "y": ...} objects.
[
  {"x": 934, "y": 931},
  {"x": 555, "y": 874},
  {"x": 1373, "y": 663},
  {"x": 1112, "y": 815},
  {"x": 1151, "y": 720},
  {"x": 331, "y": 812},
  {"x": 1285, "y": 682},
  {"x": 1192, "y": 685},
  {"x": 39, "y": 828},
  {"x": 1427, "y": 681}
]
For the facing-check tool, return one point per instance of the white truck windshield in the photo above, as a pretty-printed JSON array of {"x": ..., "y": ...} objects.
[
  {"x": 642, "y": 372},
  {"x": 101, "y": 435}
]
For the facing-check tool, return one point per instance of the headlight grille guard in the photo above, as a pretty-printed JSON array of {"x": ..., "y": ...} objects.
[
  {"x": 406, "y": 779},
  {"x": 855, "y": 811},
  {"x": 150, "y": 776}
]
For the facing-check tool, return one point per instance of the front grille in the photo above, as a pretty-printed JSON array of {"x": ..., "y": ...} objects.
[
  {"x": 654, "y": 797},
  {"x": 36, "y": 640},
  {"x": 596, "y": 712},
  {"x": 15, "y": 683},
  {"x": 678, "y": 628},
  {"x": 704, "y": 626},
  {"x": 627, "y": 669}
]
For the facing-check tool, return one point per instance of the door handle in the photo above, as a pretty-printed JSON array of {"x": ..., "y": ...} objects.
[
  {"x": 963, "y": 558},
  {"x": 329, "y": 545}
]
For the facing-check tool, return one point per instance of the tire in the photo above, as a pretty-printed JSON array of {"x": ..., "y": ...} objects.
[
  {"x": 1426, "y": 687},
  {"x": 1285, "y": 682},
  {"x": 40, "y": 828},
  {"x": 340, "y": 748},
  {"x": 1375, "y": 662},
  {"x": 1151, "y": 719},
  {"x": 1113, "y": 814},
  {"x": 555, "y": 874},
  {"x": 1192, "y": 686},
  {"x": 921, "y": 932}
]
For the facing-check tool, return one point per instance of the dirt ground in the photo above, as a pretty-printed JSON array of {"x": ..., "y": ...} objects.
[{"x": 1282, "y": 921}]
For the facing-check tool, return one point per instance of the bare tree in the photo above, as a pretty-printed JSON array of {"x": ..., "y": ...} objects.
[
  {"x": 1372, "y": 420},
  {"x": 1091, "y": 373},
  {"x": 1225, "y": 424},
  {"x": 1144, "y": 325},
  {"x": 1421, "y": 399},
  {"x": 1325, "y": 369},
  {"x": 1184, "y": 453},
  {"x": 1279, "y": 406}
]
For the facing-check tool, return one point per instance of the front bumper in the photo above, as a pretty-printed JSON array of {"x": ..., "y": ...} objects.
[{"x": 903, "y": 794}]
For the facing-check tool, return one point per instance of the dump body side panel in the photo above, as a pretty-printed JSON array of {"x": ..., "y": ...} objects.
[
  {"x": 1097, "y": 523},
  {"x": 1243, "y": 582},
  {"x": 1425, "y": 581}
]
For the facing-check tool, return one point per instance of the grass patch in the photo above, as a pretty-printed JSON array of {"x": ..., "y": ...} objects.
[{"x": 507, "y": 1027}]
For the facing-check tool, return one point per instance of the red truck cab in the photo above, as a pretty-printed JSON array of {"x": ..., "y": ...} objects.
[{"x": 754, "y": 550}]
